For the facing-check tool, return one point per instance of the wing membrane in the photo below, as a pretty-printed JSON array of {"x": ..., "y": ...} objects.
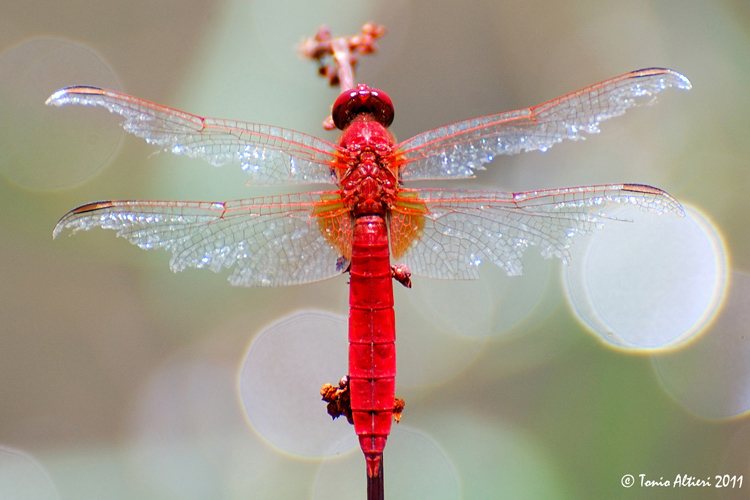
[
  {"x": 459, "y": 149},
  {"x": 460, "y": 229},
  {"x": 270, "y": 155},
  {"x": 269, "y": 241}
]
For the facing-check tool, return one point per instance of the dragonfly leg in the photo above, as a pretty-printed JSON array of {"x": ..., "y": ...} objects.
[
  {"x": 338, "y": 399},
  {"x": 398, "y": 409},
  {"x": 402, "y": 274}
]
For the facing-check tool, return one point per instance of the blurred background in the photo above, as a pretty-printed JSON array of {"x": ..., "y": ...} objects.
[{"x": 121, "y": 380}]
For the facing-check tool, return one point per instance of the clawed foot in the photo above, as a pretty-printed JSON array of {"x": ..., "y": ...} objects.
[
  {"x": 339, "y": 402},
  {"x": 402, "y": 274},
  {"x": 398, "y": 409}
]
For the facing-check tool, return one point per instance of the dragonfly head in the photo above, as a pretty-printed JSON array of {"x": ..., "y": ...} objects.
[{"x": 362, "y": 99}]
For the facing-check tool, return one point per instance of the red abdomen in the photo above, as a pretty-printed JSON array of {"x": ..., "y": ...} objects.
[{"x": 372, "y": 336}]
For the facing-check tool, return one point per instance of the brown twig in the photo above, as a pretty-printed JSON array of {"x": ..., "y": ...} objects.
[{"x": 338, "y": 56}]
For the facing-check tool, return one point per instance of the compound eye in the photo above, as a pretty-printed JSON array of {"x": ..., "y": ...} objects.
[{"x": 359, "y": 100}]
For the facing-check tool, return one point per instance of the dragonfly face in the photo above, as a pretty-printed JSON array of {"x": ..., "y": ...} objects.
[{"x": 362, "y": 99}]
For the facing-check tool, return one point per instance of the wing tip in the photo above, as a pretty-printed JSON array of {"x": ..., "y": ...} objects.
[
  {"x": 672, "y": 77},
  {"x": 92, "y": 207},
  {"x": 57, "y": 230},
  {"x": 671, "y": 205},
  {"x": 65, "y": 95},
  {"x": 64, "y": 221},
  {"x": 61, "y": 225}
]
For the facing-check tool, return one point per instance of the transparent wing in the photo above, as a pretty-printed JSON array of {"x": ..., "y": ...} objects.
[
  {"x": 459, "y": 149},
  {"x": 270, "y": 155},
  {"x": 452, "y": 232},
  {"x": 272, "y": 241}
]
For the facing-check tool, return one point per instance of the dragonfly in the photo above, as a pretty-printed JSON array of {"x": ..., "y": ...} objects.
[{"x": 369, "y": 224}]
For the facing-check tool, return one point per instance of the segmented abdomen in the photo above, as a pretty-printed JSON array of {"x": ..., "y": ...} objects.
[{"x": 372, "y": 336}]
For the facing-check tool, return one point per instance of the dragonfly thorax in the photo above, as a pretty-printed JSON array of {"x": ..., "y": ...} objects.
[{"x": 368, "y": 180}]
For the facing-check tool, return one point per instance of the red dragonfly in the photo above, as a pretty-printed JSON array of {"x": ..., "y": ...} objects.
[{"x": 368, "y": 224}]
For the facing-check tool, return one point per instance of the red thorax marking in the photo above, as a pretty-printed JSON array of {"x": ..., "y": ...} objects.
[{"x": 368, "y": 180}]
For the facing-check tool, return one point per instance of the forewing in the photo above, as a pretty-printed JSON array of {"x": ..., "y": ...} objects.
[
  {"x": 270, "y": 155},
  {"x": 454, "y": 231},
  {"x": 271, "y": 241},
  {"x": 459, "y": 149}
]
